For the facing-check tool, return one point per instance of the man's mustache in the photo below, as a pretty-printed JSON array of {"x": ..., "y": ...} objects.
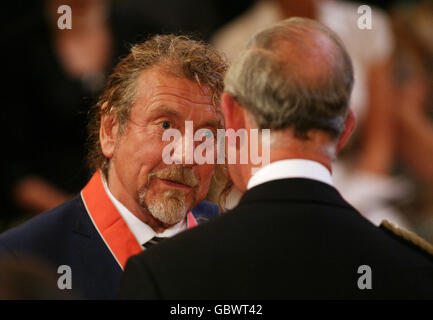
[{"x": 177, "y": 174}]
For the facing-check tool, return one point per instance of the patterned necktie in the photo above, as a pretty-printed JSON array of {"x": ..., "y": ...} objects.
[{"x": 151, "y": 242}]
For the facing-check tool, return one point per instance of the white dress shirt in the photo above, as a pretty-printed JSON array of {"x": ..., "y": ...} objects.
[
  {"x": 141, "y": 231},
  {"x": 291, "y": 168}
]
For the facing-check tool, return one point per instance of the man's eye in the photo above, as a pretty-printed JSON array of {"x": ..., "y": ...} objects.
[
  {"x": 165, "y": 125},
  {"x": 208, "y": 134}
]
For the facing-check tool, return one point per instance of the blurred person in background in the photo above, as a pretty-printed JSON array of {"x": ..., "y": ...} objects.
[
  {"x": 31, "y": 279},
  {"x": 363, "y": 173},
  {"x": 413, "y": 74},
  {"x": 54, "y": 76}
]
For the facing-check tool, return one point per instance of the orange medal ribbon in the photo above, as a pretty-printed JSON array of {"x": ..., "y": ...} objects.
[{"x": 110, "y": 224}]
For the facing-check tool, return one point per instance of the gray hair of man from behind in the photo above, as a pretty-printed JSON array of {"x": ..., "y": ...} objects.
[{"x": 294, "y": 74}]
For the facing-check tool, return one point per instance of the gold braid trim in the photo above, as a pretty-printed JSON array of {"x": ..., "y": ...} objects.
[{"x": 408, "y": 236}]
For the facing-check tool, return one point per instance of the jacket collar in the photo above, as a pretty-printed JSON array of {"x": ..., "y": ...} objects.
[
  {"x": 109, "y": 223},
  {"x": 295, "y": 189}
]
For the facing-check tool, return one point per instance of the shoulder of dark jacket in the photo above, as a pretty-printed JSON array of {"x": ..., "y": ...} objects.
[{"x": 409, "y": 238}]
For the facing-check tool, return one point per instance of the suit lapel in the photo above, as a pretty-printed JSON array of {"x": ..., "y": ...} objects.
[{"x": 108, "y": 222}]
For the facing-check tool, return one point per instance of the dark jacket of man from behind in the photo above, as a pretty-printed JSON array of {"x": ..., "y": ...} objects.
[{"x": 287, "y": 239}]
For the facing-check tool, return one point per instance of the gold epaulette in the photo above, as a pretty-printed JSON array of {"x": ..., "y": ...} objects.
[{"x": 408, "y": 236}]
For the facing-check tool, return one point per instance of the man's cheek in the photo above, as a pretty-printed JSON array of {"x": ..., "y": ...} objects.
[
  {"x": 153, "y": 186},
  {"x": 202, "y": 191},
  {"x": 154, "y": 154},
  {"x": 206, "y": 175}
]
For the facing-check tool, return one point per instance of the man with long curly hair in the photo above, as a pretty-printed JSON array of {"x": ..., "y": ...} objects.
[{"x": 134, "y": 199}]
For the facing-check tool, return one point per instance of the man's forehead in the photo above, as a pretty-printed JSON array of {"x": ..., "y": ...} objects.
[
  {"x": 159, "y": 92},
  {"x": 156, "y": 79},
  {"x": 199, "y": 114}
]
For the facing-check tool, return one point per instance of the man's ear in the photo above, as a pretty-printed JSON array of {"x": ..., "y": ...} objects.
[
  {"x": 348, "y": 129},
  {"x": 108, "y": 133},
  {"x": 233, "y": 112}
]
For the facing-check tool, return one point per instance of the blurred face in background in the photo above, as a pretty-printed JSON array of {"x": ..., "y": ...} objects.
[
  {"x": 300, "y": 8},
  {"x": 137, "y": 175}
]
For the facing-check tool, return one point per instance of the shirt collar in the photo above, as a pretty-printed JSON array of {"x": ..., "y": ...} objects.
[
  {"x": 141, "y": 231},
  {"x": 291, "y": 168}
]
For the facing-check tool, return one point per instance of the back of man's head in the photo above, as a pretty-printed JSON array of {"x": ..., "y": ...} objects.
[{"x": 295, "y": 74}]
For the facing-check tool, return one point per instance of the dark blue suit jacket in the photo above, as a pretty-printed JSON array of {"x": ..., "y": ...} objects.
[{"x": 66, "y": 236}]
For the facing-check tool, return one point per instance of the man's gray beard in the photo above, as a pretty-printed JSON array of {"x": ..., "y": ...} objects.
[{"x": 168, "y": 207}]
